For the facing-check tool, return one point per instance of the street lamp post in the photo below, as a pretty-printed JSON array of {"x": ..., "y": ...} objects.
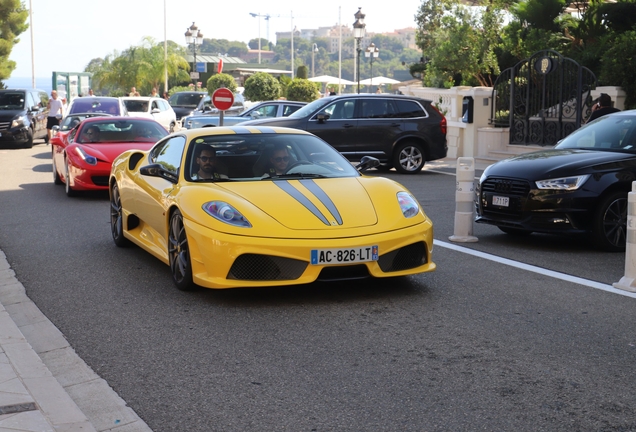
[
  {"x": 314, "y": 50},
  {"x": 257, "y": 15},
  {"x": 358, "y": 34},
  {"x": 194, "y": 37},
  {"x": 372, "y": 52}
]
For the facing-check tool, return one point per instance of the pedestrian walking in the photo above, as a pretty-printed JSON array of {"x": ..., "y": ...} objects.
[{"x": 56, "y": 112}]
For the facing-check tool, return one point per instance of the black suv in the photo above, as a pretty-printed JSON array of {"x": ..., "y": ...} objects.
[
  {"x": 401, "y": 131},
  {"x": 185, "y": 102},
  {"x": 23, "y": 114}
]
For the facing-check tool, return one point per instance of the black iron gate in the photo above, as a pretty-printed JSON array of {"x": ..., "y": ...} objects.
[{"x": 543, "y": 98}]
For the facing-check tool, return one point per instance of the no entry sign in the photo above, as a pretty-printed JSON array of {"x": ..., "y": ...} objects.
[{"x": 222, "y": 99}]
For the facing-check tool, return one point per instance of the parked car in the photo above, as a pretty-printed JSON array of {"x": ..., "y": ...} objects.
[
  {"x": 225, "y": 224},
  {"x": 82, "y": 157},
  {"x": 207, "y": 107},
  {"x": 184, "y": 103},
  {"x": 23, "y": 114},
  {"x": 268, "y": 109},
  {"x": 73, "y": 120},
  {"x": 401, "y": 131},
  {"x": 153, "y": 108},
  {"x": 578, "y": 187},
  {"x": 97, "y": 104}
]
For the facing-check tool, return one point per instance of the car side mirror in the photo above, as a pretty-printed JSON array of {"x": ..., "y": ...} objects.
[
  {"x": 55, "y": 128},
  {"x": 157, "y": 170},
  {"x": 207, "y": 108},
  {"x": 322, "y": 117},
  {"x": 155, "y": 111},
  {"x": 367, "y": 162}
]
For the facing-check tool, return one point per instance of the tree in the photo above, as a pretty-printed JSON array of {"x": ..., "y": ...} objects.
[
  {"x": 253, "y": 44},
  {"x": 619, "y": 64},
  {"x": 221, "y": 80},
  {"x": 302, "y": 90},
  {"x": 462, "y": 48},
  {"x": 13, "y": 18},
  {"x": 139, "y": 66},
  {"x": 262, "y": 86},
  {"x": 302, "y": 72}
]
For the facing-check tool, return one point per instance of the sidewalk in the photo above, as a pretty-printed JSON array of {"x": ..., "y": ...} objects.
[{"x": 44, "y": 385}]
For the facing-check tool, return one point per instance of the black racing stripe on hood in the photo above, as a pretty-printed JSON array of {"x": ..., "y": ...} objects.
[
  {"x": 323, "y": 197},
  {"x": 298, "y": 196}
]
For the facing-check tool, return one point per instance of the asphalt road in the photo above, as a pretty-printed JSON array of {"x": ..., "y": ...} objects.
[{"x": 475, "y": 345}]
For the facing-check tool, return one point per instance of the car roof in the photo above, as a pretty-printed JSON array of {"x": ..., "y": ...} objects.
[
  {"x": 116, "y": 118},
  {"x": 140, "y": 98},
  {"x": 375, "y": 95},
  {"x": 238, "y": 129}
]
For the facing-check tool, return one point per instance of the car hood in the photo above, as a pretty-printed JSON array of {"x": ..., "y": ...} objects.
[
  {"x": 310, "y": 204},
  {"x": 560, "y": 162},
  {"x": 107, "y": 152},
  {"x": 7, "y": 115}
]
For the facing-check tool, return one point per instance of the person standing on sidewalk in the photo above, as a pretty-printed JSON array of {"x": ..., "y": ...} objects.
[
  {"x": 56, "y": 112},
  {"x": 603, "y": 106}
]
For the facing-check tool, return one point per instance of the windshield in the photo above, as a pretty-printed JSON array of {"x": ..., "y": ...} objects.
[
  {"x": 86, "y": 105},
  {"x": 111, "y": 130},
  {"x": 310, "y": 108},
  {"x": 136, "y": 105},
  {"x": 610, "y": 132},
  {"x": 264, "y": 157},
  {"x": 190, "y": 100},
  {"x": 11, "y": 100}
]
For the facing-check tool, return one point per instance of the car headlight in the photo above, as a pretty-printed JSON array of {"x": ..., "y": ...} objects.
[
  {"x": 408, "y": 204},
  {"x": 17, "y": 122},
  {"x": 226, "y": 213},
  {"x": 91, "y": 160},
  {"x": 563, "y": 183}
]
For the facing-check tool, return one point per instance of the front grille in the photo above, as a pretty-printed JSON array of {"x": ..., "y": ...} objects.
[
  {"x": 255, "y": 267},
  {"x": 347, "y": 272},
  {"x": 5, "y": 125},
  {"x": 506, "y": 186},
  {"x": 100, "y": 180},
  {"x": 407, "y": 257}
]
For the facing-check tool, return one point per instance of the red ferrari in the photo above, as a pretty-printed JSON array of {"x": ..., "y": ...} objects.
[{"x": 82, "y": 157}]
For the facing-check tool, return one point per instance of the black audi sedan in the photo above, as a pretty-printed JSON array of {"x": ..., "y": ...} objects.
[{"x": 578, "y": 187}]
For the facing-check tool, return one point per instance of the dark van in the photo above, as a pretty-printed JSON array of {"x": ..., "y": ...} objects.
[{"x": 23, "y": 114}]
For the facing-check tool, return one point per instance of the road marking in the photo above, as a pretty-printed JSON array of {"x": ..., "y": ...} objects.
[{"x": 534, "y": 269}]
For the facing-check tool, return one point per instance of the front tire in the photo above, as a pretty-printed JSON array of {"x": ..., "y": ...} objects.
[
  {"x": 117, "y": 218},
  {"x": 179, "y": 253},
  {"x": 610, "y": 223},
  {"x": 408, "y": 158},
  {"x": 67, "y": 181},
  {"x": 29, "y": 142},
  {"x": 56, "y": 177}
]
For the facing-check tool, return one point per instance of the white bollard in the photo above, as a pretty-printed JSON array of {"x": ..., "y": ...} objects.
[
  {"x": 464, "y": 201},
  {"x": 627, "y": 282}
]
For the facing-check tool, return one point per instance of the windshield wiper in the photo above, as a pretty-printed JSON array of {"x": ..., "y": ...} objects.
[{"x": 295, "y": 175}]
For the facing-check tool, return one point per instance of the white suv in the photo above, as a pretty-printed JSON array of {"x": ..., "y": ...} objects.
[{"x": 152, "y": 107}]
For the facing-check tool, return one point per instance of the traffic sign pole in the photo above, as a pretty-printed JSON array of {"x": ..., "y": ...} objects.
[{"x": 222, "y": 99}]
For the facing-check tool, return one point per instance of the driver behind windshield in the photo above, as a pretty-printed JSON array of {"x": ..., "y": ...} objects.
[{"x": 279, "y": 160}]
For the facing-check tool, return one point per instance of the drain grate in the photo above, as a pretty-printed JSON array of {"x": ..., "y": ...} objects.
[{"x": 17, "y": 408}]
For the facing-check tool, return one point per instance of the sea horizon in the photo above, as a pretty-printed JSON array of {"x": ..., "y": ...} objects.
[{"x": 41, "y": 83}]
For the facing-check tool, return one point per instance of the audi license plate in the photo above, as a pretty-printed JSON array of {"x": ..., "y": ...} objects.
[
  {"x": 500, "y": 201},
  {"x": 344, "y": 256}
]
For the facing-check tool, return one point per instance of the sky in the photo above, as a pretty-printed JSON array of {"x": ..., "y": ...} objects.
[{"x": 68, "y": 34}]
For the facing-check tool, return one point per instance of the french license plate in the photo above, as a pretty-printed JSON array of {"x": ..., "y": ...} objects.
[
  {"x": 344, "y": 256},
  {"x": 500, "y": 201}
]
